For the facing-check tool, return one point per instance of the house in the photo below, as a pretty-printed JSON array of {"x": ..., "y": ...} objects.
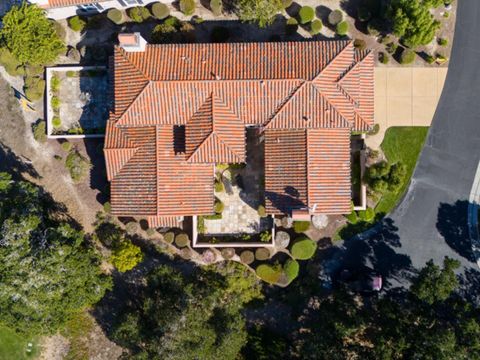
[
  {"x": 180, "y": 109},
  {"x": 61, "y": 9}
]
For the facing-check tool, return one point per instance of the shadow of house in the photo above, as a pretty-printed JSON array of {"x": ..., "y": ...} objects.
[{"x": 452, "y": 224}]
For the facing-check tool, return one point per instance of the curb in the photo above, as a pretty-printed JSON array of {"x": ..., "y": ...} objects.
[{"x": 473, "y": 206}]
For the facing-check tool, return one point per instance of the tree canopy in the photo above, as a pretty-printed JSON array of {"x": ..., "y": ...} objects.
[
  {"x": 47, "y": 270},
  {"x": 194, "y": 316},
  {"x": 30, "y": 36},
  {"x": 261, "y": 12},
  {"x": 412, "y": 22}
]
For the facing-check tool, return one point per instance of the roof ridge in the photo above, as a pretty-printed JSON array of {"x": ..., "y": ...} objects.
[
  {"x": 116, "y": 167},
  {"x": 348, "y": 46},
  {"x": 125, "y": 57},
  {"x": 144, "y": 89},
  {"x": 275, "y": 115}
]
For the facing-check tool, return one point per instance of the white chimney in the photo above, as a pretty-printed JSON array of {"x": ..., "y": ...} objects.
[{"x": 132, "y": 42}]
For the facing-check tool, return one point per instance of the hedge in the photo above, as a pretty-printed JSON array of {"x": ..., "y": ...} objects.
[
  {"x": 303, "y": 248},
  {"x": 291, "y": 269},
  {"x": 306, "y": 14},
  {"x": 76, "y": 23},
  {"x": 301, "y": 226},
  {"x": 316, "y": 27},
  {"x": 187, "y": 7},
  {"x": 342, "y": 28},
  {"x": 160, "y": 11},
  {"x": 169, "y": 237},
  {"x": 115, "y": 16},
  {"x": 335, "y": 17},
  {"x": 182, "y": 240},
  {"x": 262, "y": 254},
  {"x": 247, "y": 257},
  {"x": 268, "y": 273}
]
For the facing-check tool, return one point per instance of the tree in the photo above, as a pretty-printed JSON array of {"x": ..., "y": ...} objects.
[
  {"x": 412, "y": 22},
  {"x": 30, "y": 36},
  {"x": 260, "y": 11},
  {"x": 48, "y": 271},
  {"x": 434, "y": 284},
  {"x": 195, "y": 316}
]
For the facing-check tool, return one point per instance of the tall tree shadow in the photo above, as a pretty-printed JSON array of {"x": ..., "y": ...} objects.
[
  {"x": 15, "y": 165},
  {"x": 452, "y": 224}
]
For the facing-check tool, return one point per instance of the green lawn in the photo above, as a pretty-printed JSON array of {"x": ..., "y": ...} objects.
[
  {"x": 14, "y": 346},
  {"x": 401, "y": 144}
]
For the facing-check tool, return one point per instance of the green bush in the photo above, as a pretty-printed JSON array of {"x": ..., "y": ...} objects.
[
  {"x": 266, "y": 236},
  {"x": 59, "y": 29},
  {"x": 306, "y": 14},
  {"x": 391, "y": 47},
  {"x": 182, "y": 240},
  {"x": 367, "y": 215},
  {"x": 352, "y": 217},
  {"x": 138, "y": 14},
  {"x": 363, "y": 14},
  {"x": 115, "y": 16},
  {"x": 342, "y": 28},
  {"x": 34, "y": 88},
  {"x": 383, "y": 58},
  {"x": 269, "y": 273},
  {"x": 71, "y": 73},
  {"x": 262, "y": 254},
  {"x": 55, "y": 103},
  {"x": 335, "y": 17},
  {"x": 261, "y": 211},
  {"x": 34, "y": 70},
  {"x": 442, "y": 42},
  {"x": 77, "y": 165},
  {"x": 396, "y": 177},
  {"x": 11, "y": 65},
  {"x": 160, "y": 11},
  {"x": 407, "y": 57},
  {"x": 301, "y": 226},
  {"x": 228, "y": 253},
  {"x": 316, "y": 27},
  {"x": 291, "y": 269},
  {"x": 287, "y": 3},
  {"x": 66, "y": 146},
  {"x": 219, "y": 187},
  {"x": 360, "y": 44},
  {"x": 374, "y": 130},
  {"x": 219, "y": 206},
  {"x": 131, "y": 227},
  {"x": 107, "y": 207},
  {"x": 217, "y": 7},
  {"x": 54, "y": 83},
  {"x": 125, "y": 256},
  {"x": 303, "y": 248},
  {"x": 291, "y": 26},
  {"x": 163, "y": 33},
  {"x": 169, "y": 237},
  {"x": 56, "y": 122},
  {"x": 187, "y": 7},
  {"x": 247, "y": 257},
  {"x": 76, "y": 23},
  {"x": 430, "y": 59},
  {"x": 39, "y": 131}
]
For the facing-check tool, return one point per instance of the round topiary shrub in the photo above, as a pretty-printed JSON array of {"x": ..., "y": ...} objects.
[
  {"x": 169, "y": 237},
  {"x": 107, "y": 207},
  {"x": 261, "y": 211},
  {"x": 228, "y": 253},
  {"x": 66, "y": 146},
  {"x": 56, "y": 122},
  {"x": 335, "y": 17},
  {"x": 186, "y": 253},
  {"x": 301, "y": 226},
  {"x": 306, "y": 14},
  {"x": 115, "y": 16},
  {"x": 262, "y": 254},
  {"x": 303, "y": 248},
  {"x": 282, "y": 239},
  {"x": 182, "y": 240},
  {"x": 342, "y": 28},
  {"x": 268, "y": 273},
  {"x": 407, "y": 57},
  {"x": 291, "y": 26},
  {"x": 316, "y": 27},
  {"x": 247, "y": 257},
  {"x": 287, "y": 222},
  {"x": 291, "y": 269},
  {"x": 287, "y": 3},
  {"x": 217, "y": 7},
  {"x": 219, "y": 206},
  {"x": 219, "y": 186},
  {"x": 76, "y": 23},
  {"x": 150, "y": 232},
  {"x": 208, "y": 256},
  {"x": 187, "y": 7},
  {"x": 352, "y": 217},
  {"x": 360, "y": 44},
  {"x": 131, "y": 227},
  {"x": 160, "y": 11}
]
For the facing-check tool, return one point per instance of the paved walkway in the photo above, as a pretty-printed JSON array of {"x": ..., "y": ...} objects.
[{"x": 405, "y": 96}]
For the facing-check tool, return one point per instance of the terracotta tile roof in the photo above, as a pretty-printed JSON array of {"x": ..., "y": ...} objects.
[
  {"x": 180, "y": 108},
  {"x": 164, "y": 221}
]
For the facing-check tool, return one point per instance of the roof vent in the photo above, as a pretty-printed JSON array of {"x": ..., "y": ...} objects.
[{"x": 132, "y": 42}]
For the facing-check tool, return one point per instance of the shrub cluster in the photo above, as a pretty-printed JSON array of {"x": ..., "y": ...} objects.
[
  {"x": 77, "y": 165},
  {"x": 382, "y": 176},
  {"x": 138, "y": 14},
  {"x": 39, "y": 131}
]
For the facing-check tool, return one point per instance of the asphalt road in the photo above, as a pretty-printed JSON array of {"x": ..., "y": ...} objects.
[{"x": 431, "y": 220}]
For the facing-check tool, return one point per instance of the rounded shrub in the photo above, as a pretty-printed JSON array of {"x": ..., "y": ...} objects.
[
  {"x": 219, "y": 187},
  {"x": 335, "y": 17},
  {"x": 228, "y": 253},
  {"x": 306, "y": 14},
  {"x": 55, "y": 103},
  {"x": 138, "y": 14},
  {"x": 247, "y": 257},
  {"x": 219, "y": 206},
  {"x": 150, "y": 232},
  {"x": 301, "y": 226},
  {"x": 442, "y": 42},
  {"x": 261, "y": 211},
  {"x": 366, "y": 215},
  {"x": 268, "y": 273},
  {"x": 131, "y": 227},
  {"x": 182, "y": 240},
  {"x": 187, "y": 7},
  {"x": 407, "y": 57},
  {"x": 34, "y": 88},
  {"x": 39, "y": 131},
  {"x": 287, "y": 3},
  {"x": 291, "y": 26},
  {"x": 56, "y": 122},
  {"x": 126, "y": 255},
  {"x": 291, "y": 269},
  {"x": 374, "y": 130},
  {"x": 209, "y": 256},
  {"x": 262, "y": 254},
  {"x": 316, "y": 27},
  {"x": 115, "y": 16},
  {"x": 217, "y": 7},
  {"x": 342, "y": 28},
  {"x": 66, "y": 146},
  {"x": 282, "y": 239},
  {"x": 107, "y": 207},
  {"x": 186, "y": 253},
  {"x": 360, "y": 44},
  {"x": 76, "y": 23},
  {"x": 303, "y": 248},
  {"x": 160, "y": 11},
  {"x": 352, "y": 217},
  {"x": 169, "y": 237}
]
